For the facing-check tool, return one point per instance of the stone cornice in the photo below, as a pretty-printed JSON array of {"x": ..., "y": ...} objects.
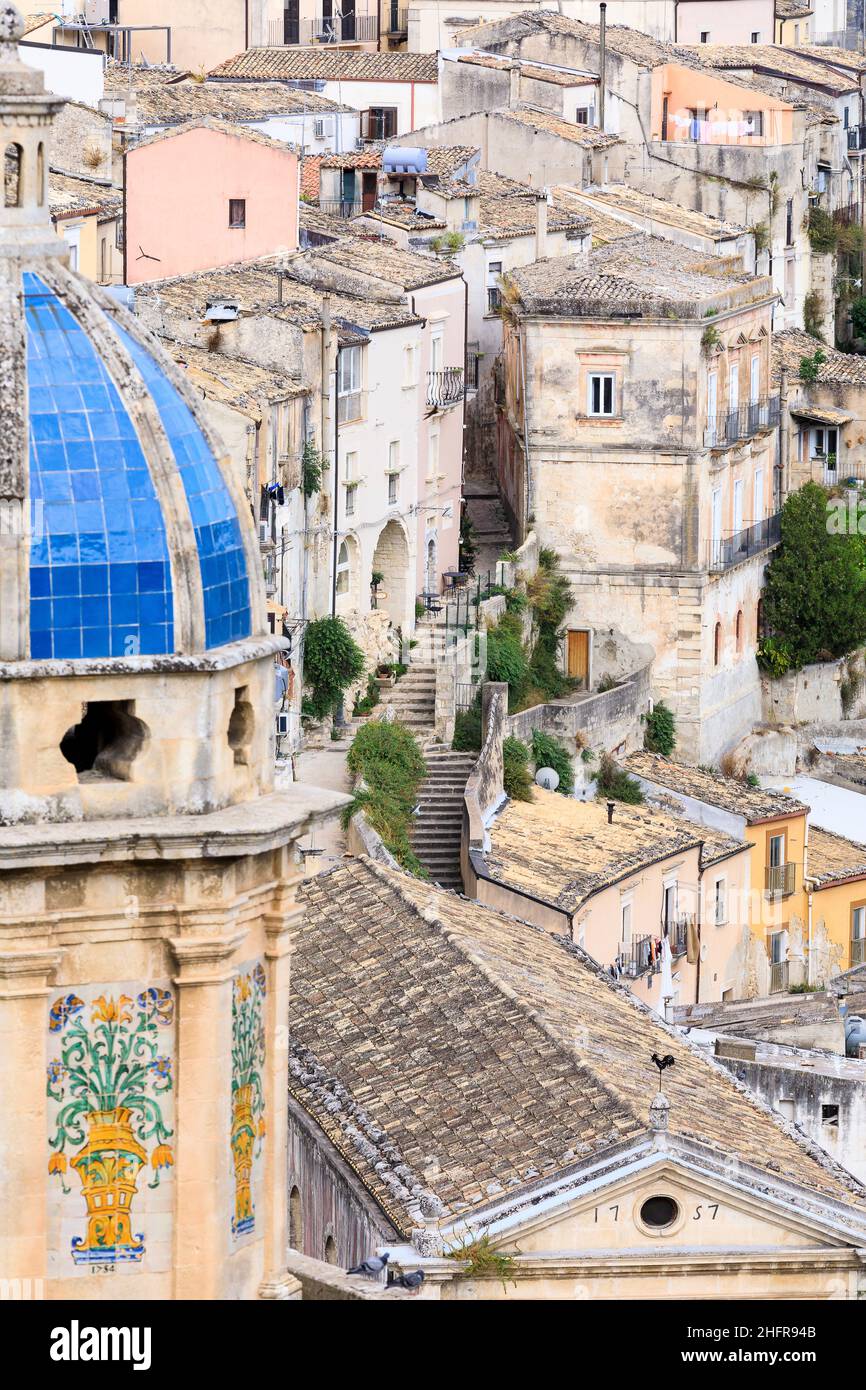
[
  {"x": 24, "y": 974},
  {"x": 221, "y": 659},
  {"x": 202, "y": 959}
]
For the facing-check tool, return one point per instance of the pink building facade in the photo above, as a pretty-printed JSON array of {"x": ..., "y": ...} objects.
[
  {"x": 440, "y": 434},
  {"x": 205, "y": 195}
]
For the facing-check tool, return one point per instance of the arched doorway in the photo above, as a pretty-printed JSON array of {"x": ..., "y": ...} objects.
[
  {"x": 391, "y": 560},
  {"x": 348, "y": 580},
  {"x": 431, "y": 581}
]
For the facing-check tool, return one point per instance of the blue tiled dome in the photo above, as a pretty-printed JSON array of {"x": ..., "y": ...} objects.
[{"x": 104, "y": 556}]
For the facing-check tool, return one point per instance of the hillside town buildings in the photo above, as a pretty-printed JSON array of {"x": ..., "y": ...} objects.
[{"x": 492, "y": 344}]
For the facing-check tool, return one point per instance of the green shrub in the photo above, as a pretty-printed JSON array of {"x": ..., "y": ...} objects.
[
  {"x": 551, "y": 598},
  {"x": 548, "y": 751},
  {"x": 606, "y": 683},
  {"x": 808, "y": 370},
  {"x": 822, "y": 231},
  {"x": 660, "y": 733},
  {"x": 815, "y": 587},
  {"x": 389, "y": 759},
  {"x": 506, "y": 659},
  {"x": 858, "y": 316},
  {"x": 369, "y": 701},
  {"x": 613, "y": 784},
  {"x": 332, "y": 662},
  {"x": 467, "y": 729},
  {"x": 515, "y": 770},
  {"x": 813, "y": 313},
  {"x": 311, "y": 469}
]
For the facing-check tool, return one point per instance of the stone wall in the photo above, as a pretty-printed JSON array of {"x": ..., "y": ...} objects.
[
  {"x": 609, "y": 721},
  {"x": 81, "y": 142},
  {"x": 325, "y": 1283},
  {"x": 814, "y": 694}
]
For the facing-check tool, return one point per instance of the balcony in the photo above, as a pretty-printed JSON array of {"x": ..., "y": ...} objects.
[
  {"x": 858, "y": 950},
  {"x": 677, "y": 932},
  {"x": 445, "y": 388},
  {"x": 340, "y": 207},
  {"x": 780, "y": 880},
  {"x": 778, "y": 977},
  {"x": 473, "y": 365},
  {"x": 636, "y": 957},
  {"x": 736, "y": 426},
  {"x": 727, "y": 551},
  {"x": 398, "y": 20},
  {"x": 351, "y": 28}
]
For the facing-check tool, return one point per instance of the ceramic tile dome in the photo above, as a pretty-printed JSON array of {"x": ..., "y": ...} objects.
[
  {"x": 100, "y": 558},
  {"x": 131, "y": 538}
]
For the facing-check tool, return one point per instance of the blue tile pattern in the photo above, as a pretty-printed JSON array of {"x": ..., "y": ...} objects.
[
  {"x": 100, "y": 579},
  {"x": 214, "y": 517}
]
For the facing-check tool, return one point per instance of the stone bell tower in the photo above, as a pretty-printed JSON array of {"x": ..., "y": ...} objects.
[{"x": 147, "y": 865}]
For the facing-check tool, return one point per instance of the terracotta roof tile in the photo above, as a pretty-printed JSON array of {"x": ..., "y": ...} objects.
[
  {"x": 785, "y": 62},
  {"x": 434, "y": 1042},
  {"x": 165, "y": 97},
  {"x": 791, "y": 345},
  {"x": 329, "y": 64},
  {"x": 755, "y": 804},
  {"x": 833, "y": 859}
]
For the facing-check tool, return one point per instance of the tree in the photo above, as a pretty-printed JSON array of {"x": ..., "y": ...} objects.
[
  {"x": 332, "y": 661},
  {"x": 815, "y": 586}
]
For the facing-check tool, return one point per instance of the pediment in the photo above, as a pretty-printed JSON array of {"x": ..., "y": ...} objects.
[{"x": 710, "y": 1214}]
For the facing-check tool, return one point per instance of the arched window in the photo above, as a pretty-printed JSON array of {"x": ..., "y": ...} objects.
[
  {"x": 331, "y": 1251},
  {"x": 343, "y": 569},
  {"x": 717, "y": 644},
  {"x": 12, "y": 159},
  {"x": 739, "y": 630},
  {"x": 40, "y": 174},
  {"x": 296, "y": 1221}
]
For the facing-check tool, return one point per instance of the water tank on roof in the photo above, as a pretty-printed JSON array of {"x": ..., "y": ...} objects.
[{"x": 399, "y": 160}]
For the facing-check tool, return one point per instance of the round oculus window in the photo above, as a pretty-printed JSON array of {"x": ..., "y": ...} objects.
[{"x": 659, "y": 1212}]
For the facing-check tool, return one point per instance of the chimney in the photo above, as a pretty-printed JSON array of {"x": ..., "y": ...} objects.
[
  {"x": 602, "y": 74},
  {"x": 541, "y": 227},
  {"x": 514, "y": 85},
  {"x": 610, "y": 806}
]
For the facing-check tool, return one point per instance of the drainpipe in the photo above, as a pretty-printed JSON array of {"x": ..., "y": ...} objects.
[
  {"x": 521, "y": 345},
  {"x": 677, "y": 21},
  {"x": 602, "y": 63}
]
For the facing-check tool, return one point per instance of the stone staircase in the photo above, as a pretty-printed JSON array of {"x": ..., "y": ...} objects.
[
  {"x": 490, "y": 524},
  {"x": 436, "y": 831},
  {"x": 413, "y": 699}
]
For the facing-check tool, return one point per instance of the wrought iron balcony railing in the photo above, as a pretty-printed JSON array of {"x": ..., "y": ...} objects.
[
  {"x": 780, "y": 880},
  {"x": 637, "y": 958},
  {"x": 778, "y": 977},
  {"x": 734, "y": 426},
  {"x": 340, "y": 207},
  {"x": 473, "y": 362},
  {"x": 358, "y": 28},
  {"x": 445, "y": 388},
  {"x": 398, "y": 20},
  {"x": 726, "y": 551}
]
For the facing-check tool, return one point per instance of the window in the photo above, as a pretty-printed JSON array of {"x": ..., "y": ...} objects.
[
  {"x": 12, "y": 176},
  {"x": 436, "y": 351},
  {"x": 858, "y": 933},
  {"x": 237, "y": 212},
  {"x": 40, "y": 174},
  {"x": 494, "y": 293},
  {"x": 754, "y": 122},
  {"x": 659, "y": 1212},
  {"x": 393, "y": 471},
  {"x": 830, "y": 1115},
  {"x": 601, "y": 393},
  {"x": 433, "y": 452},
  {"x": 625, "y": 932},
  {"x": 381, "y": 123},
  {"x": 789, "y": 222},
  {"x": 393, "y": 485},
  {"x": 776, "y": 851},
  {"x": 669, "y": 906},
  {"x": 409, "y": 376},
  {"x": 739, "y": 487},
  {"x": 758, "y": 495},
  {"x": 107, "y": 740},
  {"x": 330, "y": 1251},
  {"x": 351, "y": 465},
  {"x": 720, "y": 905},
  {"x": 734, "y": 388},
  {"x": 717, "y": 644},
  {"x": 296, "y": 1224},
  {"x": 581, "y": 116},
  {"x": 351, "y": 492},
  {"x": 738, "y": 629},
  {"x": 712, "y": 404},
  {"x": 343, "y": 569},
  {"x": 756, "y": 36},
  {"x": 755, "y": 379},
  {"x": 349, "y": 384},
  {"x": 705, "y": 36}
]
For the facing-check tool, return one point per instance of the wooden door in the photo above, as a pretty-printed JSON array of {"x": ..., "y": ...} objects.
[{"x": 578, "y": 655}]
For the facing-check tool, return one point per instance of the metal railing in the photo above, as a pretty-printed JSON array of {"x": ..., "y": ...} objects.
[
  {"x": 358, "y": 28},
  {"x": 778, "y": 976},
  {"x": 463, "y": 604},
  {"x": 726, "y": 551},
  {"x": 473, "y": 363},
  {"x": 780, "y": 880},
  {"x": 445, "y": 388},
  {"x": 638, "y": 959},
  {"x": 464, "y": 696},
  {"x": 398, "y": 20},
  {"x": 858, "y": 950},
  {"x": 732, "y": 426},
  {"x": 677, "y": 932},
  {"x": 340, "y": 207}
]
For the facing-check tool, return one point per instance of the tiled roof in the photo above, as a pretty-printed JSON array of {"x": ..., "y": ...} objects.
[
  {"x": 401, "y": 212},
  {"x": 622, "y": 197},
  {"x": 254, "y": 285},
  {"x": 555, "y": 76},
  {"x": 756, "y": 804},
  {"x": 561, "y": 850},
  {"x": 847, "y": 58},
  {"x": 603, "y": 228},
  {"x": 773, "y": 58},
  {"x": 310, "y": 165},
  {"x": 74, "y": 197},
  {"x": 792, "y": 9},
  {"x": 445, "y": 1047},
  {"x": 240, "y": 132},
  {"x": 370, "y": 157},
  {"x": 840, "y": 369},
  {"x": 508, "y": 208},
  {"x": 329, "y": 64},
  {"x": 163, "y": 99},
  {"x": 587, "y": 135},
  {"x": 378, "y": 257},
  {"x": 36, "y": 21},
  {"x": 833, "y": 859},
  {"x": 232, "y": 381},
  {"x": 635, "y": 274}
]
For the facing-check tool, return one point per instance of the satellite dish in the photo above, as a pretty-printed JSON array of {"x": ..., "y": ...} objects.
[{"x": 548, "y": 778}]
